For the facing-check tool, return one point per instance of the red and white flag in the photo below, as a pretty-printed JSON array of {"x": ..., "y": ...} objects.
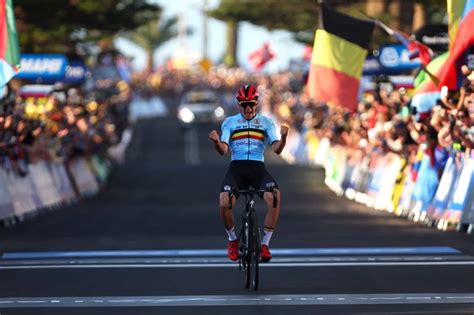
[{"x": 259, "y": 57}]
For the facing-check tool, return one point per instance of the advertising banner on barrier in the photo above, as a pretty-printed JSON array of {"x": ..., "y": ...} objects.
[
  {"x": 84, "y": 178},
  {"x": 44, "y": 184},
  {"x": 336, "y": 168},
  {"x": 405, "y": 201},
  {"x": 24, "y": 197},
  {"x": 468, "y": 213},
  {"x": 312, "y": 144},
  {"x": 99, "y": 168},
  {"x": 6, "y": 206},
  {"x": 384, "y": 196},
  {"x": 61, "y": 181},
  {"x": 351, "y": 169},
  {"x": 463, "y": 192},
  {"x": 377, "y": 166},
  {"x": 322, "y": 152},
  {"x": 444, "y": 191},
  {"x": 399, "y": 184},
  {"x": 362, "y": 177},
  {"x": 426, "y": 184}
]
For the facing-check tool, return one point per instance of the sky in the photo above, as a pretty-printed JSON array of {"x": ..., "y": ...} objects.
[{"x": 251, "y": 37}]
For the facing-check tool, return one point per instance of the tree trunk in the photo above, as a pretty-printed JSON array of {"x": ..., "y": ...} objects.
[
  {"x": 150, "y": 62},
  {"x": 374, "y": 7},
  {"x": 230, "y": 57},
  {"x": 401, "y": 13},
  {"x": 419, "y": 16}
]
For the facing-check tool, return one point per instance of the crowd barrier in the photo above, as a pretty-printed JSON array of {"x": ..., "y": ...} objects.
[
  {"x": 386, "y": 181},
  {"x": 48, "y": 185}
]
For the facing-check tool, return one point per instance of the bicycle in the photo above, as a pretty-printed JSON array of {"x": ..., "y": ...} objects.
[{"x": 249, "y": 237}]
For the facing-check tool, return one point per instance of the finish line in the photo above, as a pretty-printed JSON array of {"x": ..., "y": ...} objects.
[
  {"x": 222, "y": 252},
  {"x": 239, "y": 300}
]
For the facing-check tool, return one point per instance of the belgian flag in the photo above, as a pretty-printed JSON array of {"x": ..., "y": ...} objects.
[
  {"x": 340, "y": 49},
  {"x": 461, "y": 30}
]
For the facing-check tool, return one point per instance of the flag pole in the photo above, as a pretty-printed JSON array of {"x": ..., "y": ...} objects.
[
  {"x": 433, "y": 78},
  {"x": 391, "y": 33}
]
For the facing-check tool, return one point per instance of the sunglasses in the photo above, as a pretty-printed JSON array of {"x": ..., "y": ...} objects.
[{"x": 246, "y": 104}]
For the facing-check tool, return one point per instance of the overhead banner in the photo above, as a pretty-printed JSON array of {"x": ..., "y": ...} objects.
[
  {"x": 43, "y": 67},
  {"x": 470, "y": 61},
  {"x": 396, "y": 58},
  {"x": 75, "y": 72},
  {"x": 435, "y": 36},
  {"x": 372, "y": 66}
]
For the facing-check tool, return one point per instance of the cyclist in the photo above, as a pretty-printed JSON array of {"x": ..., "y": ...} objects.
[{"x": 246, "y": 135}]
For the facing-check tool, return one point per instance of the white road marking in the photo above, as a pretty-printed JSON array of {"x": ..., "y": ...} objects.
[
  {"x": 234, "y": 265},
  {"x": 217, "y": 262},
  {"x": 168, "y": 253},
  {"x": 216, "y": 300},
  {"x": 209, "y": 260}
]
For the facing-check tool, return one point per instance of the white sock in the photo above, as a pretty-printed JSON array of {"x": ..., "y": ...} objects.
[
  {"x": 267, "y": 235},
  {"x": 231, "y": 234}
]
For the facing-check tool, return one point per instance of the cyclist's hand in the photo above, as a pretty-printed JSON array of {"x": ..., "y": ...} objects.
[
  {"x": 284, "y": 131},
  {"x": 214, "y": 136}
]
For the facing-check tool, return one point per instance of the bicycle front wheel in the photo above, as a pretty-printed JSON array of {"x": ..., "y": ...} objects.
[
  {"x": 245, "y": 253},
  {"x": 254, "y": 250}
]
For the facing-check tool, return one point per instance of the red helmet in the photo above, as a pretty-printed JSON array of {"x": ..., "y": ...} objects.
[{"x": 247, "y": 93}]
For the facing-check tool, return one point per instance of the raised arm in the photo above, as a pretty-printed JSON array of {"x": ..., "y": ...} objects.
[
  {"x": 279, "y": 145},
  {"x": 221, "y": 147}
]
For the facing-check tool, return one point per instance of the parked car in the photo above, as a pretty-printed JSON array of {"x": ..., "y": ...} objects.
[{"x": 200, "y": 106}]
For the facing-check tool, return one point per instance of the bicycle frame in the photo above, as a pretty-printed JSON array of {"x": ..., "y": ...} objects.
[{"x": 249, "y": 241}]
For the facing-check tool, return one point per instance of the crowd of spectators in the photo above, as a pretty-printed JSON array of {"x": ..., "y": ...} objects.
[
  {"x": 64, "y": 123},
  {"x": 383, "y": 121}
]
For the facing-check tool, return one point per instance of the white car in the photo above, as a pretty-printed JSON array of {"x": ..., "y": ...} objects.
[{"x": 200, "y": 106}]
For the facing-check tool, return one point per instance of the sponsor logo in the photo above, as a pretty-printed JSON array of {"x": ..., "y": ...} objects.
[
  {"x": 227, "y": 188},
  {"x": 270, "y": 184},
  {"x": 247, "y": 142},
  {"x": 75, "y": 72},
  {"x": 241, "y": 121},
  {"x": 50, "y": 65}
]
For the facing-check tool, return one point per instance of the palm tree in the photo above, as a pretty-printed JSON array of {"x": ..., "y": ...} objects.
[{"x": 152, "y": 35}]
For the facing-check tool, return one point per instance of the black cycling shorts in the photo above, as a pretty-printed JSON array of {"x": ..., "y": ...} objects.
[{"x": 243, "y": 174}]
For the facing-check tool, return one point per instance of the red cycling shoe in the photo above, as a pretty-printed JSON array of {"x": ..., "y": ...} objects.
[
  {"x": 265, "y": 254},
  {"x": 232, "y": 251}
]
